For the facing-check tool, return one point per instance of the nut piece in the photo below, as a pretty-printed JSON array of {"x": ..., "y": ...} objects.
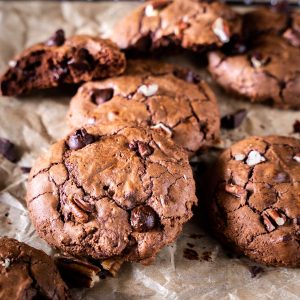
[
  {"x": 148, "y": 90},
  {"x": 297, "y": 157},
  {"x": 273, "y": 218},
  {"x": 164, "y": 128},
  {"x": 112, "y": 265},
  {"x": 221, "y": 30},
  {"x": 254, "y": 158},
  {"x": 77, "y": 273},
  {"x": 236, "y": 190}
]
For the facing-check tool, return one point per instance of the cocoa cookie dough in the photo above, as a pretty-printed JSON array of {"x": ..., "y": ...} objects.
[
  {"x": 268, "y": 71},
  {"x": 190, "y": 24},
  {"x": 175, "y": 101},
  {"x": 103, "y": 193},
  {"x": 61, "y": 61},
  {"x": 271, "y": 21},
  {"x": 255, "y": 206},
  {"x": 27, "y": 273}
]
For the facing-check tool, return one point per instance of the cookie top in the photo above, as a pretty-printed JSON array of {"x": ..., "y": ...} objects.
[
  {"x": 255, "y": 206},
  {"x": 156, "y": 94},
  {"x": 267, "y": 71},
  {"x": 272, "y": 21},
  {"x": 104, "y": 193},
  {"x": 190, "y": 24},
  {"x": 61, "y": 61},
  {"x": 27, "y": 273}
]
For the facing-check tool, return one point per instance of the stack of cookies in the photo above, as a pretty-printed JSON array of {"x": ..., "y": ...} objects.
[{"x": 119, "y": 186}]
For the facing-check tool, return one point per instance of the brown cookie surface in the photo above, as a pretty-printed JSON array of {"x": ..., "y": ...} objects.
[
  {"x": 156, "y": 94},
  {"x": 189, "y": 24},
  {"x": 60, "y": 61},
  {"x": 104, "y": 193},
  {"x": 255, "y": 206},
  {"x": 27, "y": 273},
  {"x": 268, "y": 71}
]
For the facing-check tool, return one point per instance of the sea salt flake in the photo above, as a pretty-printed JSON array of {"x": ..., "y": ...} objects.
[
  {"x": 163, "y": 127},
  {"x": 297, "y": 158},
  {"x": 239, "y": 157},
  {"x": 148, "y": 90},
  {"x": 254, "y": 158},
  {"x": 5, "y": 263},
  {"x": 221, "y": 30},
  {"x": 150, "y": 11}
]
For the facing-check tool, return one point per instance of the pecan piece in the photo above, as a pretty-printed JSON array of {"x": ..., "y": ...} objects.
[
  {"x": 273, "y": 218},
  {"x": 77, "y": 273},
  {"x": 79, "y": 215},
  {"x": 83, "y": 204},
  {"x": 237, "y": 191},
  {"x": 112, "y": 265}
]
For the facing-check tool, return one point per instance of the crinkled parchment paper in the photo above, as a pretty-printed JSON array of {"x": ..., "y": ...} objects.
[{"x": 36, "y": 121}]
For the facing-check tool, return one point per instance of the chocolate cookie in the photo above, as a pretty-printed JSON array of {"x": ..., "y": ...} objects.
[
  {"x": 61, "y": 61},
  {"x": 190, "y": 24},
  {"x": 267, "y": 72},
  {"x": 255, "y": 206},
  {"x": 152, "y": 93},
  {"x": 270, "y": 21},
  {"x": 27, "y": 273},
  {"x": 103, "y": 193}
]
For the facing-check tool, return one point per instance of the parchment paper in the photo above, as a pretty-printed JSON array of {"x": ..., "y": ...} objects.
[{"x": 36, "y": 121}]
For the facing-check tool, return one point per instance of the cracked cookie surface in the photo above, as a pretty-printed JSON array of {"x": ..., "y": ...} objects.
[
  {"x": 60, "y": 61},
  {"x": 190, "y": 24},
  {"x": 155, "y": 94},
  {"x": 104, "y": 192},
  {"x": 269, "y": 71},
  {"x": 27, "y": 273},
  {"x": 255, "y": 206}
]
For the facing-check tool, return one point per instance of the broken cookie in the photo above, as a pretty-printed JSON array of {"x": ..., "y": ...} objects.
[
  {"x": 60, "y": 61},
  {"x": 173, "y": 100},
  {"x": 189, "y": 24},
  {"x": 110, "y": 192},
  {"x": 255, "y": 205},
  {"x": 27, "y": 273}
]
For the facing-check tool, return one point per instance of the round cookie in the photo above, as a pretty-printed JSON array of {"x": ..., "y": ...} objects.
[
  {"x": 255, "y": 206},
  {"x": 27, "y": 273},
  {"x": 267, "y": 72},
  {"x": 60, "y": 61},
  {"x": 155, "y": 94},
  {"x": 104, "y": 192},
  {"x": 190, "y": 24}
]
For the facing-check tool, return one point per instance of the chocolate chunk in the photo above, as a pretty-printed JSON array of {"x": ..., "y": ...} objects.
[
  {"x": 82, "y": 60},
  {"x": 281, "y": 177},
  {"x": 8, "y": 150},
  {"x": 296, "y": 126},
  {"x": 80, "y": 139},
  {"x": 234, "y": 120},
  {"x": 187, "y": 75},
  {"x": 57, "y": 39},
  {"x": 190, "y": 254},
  {"x": 143, "y": 218},
  {"x": 142, "y": 148},
  {"x": 206, "y": 255},
  {"x": 101, "y": 96},
  {"x": 255, "y": 270}
]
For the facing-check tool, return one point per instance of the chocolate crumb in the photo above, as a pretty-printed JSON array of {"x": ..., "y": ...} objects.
[
  {"x": 8, "y": 150},
  {"x": 206, "y": 256},
  {"x": 7, "y": 214},
  {"x": 25, "y": 170},
  {"x": 190, "y": 245},
  {"x": 196, "y": 236},
  {"x": 255, "y": 270},
  {"x": 234, "y": 120},
  {"x": 296, "y": 126},
  {"x": 190, "y": 254}
]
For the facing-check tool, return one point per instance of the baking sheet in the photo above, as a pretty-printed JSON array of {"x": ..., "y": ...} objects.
[{"x": 36, "y": 121}]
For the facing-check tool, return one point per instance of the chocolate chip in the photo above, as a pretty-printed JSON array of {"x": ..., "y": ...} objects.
[
  {"x": 141, "y": 148},
  {"x": 8, "y": 150},
  {"x": 296, "y": 126},
  {"x": 25, "y": 170},
  {"x": 57, "y": 39},
  {"x": 190, "y": 254},
  {"x": 143, "y": 218},
  {"x": 258, "y": 59},
  {"x": 234, "y": 120},
  {"x": 80, "y": 139},
  {"x": 187, "y": 75},
  {"x": 255, "y": 270},
  {"x": 100, "y": 96}
]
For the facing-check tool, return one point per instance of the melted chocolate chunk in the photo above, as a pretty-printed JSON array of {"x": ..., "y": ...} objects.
[
  {"x": 234, "y": 120},
  {"x": 100, "y": 96},
  {"x": 143, "y": 218},
  {"x": 8, "y": 150},
  {"x": 190, "y": 254},
  {"x": 80, "y": 139},
  {"x": 82, "y": 61},
  {"x": 57, "y": 39}
]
